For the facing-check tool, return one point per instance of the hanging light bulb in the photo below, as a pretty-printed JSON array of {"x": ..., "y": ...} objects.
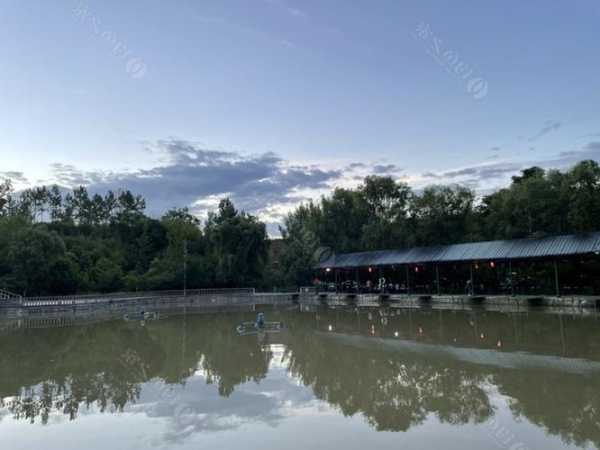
[{"x": 492, "y": 264}]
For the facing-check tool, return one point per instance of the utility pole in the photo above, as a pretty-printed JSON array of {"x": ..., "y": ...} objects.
[{"x": 185, "y": 254}]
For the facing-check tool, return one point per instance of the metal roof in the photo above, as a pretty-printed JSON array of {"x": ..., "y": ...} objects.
[{"x": 565, "y": 245}]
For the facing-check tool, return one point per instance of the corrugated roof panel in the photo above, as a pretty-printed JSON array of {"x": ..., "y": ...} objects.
[{"x": 473, "y": 251}]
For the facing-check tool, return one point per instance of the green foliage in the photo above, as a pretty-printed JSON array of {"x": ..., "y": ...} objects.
[
  {"x": 442, "y": 215},
  {"x": 385, "y": 214},
  {"x": 237, "y": 246},
  {"x": 37, "y": 263},
  {"x": 55, "y": 243},
  {"x": 52, "y": 243}
]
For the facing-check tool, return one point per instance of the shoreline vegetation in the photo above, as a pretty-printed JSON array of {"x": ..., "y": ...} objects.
[{"x": 57, "y": 243}]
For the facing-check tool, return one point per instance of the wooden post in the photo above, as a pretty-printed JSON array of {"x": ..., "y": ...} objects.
[
  {"x": 437, "y": 278},
  {"x": 407, "y": 280},
  {"x": 357, "y": 282},
  {"x": 556, "y": 281},
  {"x": 380, "y": 272}
]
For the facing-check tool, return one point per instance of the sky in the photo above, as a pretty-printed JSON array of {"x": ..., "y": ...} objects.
[{"x": 274, "y": 102}]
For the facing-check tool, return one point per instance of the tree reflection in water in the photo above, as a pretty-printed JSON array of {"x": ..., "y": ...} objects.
[{"x": 395, "y": 368}]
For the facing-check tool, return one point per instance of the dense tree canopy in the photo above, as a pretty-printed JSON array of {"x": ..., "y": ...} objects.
[
  {"x": 383, "y": 213},
  {"x": 53, "y": 242},
  {"x": 57, "y": 242}
]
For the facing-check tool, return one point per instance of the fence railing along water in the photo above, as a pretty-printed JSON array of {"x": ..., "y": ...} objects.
[
  {"x": 5, "y": 295},
  {"x": 89, "y": 299}
]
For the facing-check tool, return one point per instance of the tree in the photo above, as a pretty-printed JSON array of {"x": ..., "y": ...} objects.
[
  {"x": 442, "y": 215},
  {"x": 106, "y": 276},
  {"x": 5, "y": 192},
  {"x": 237, "y": 246},
  {"x": 583, "y": 192},
  {"x": 39, "y": 263},
  {"x": 388, "y": 203},
  {"x": 300, "y": 246}
]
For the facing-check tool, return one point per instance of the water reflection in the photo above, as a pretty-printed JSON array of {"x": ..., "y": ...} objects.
[{"x": 397, "y": 369}]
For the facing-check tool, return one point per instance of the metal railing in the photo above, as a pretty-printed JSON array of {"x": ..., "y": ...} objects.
[
  {"x": 121, "y": 296},
  {"x": 5, "y": 295}
]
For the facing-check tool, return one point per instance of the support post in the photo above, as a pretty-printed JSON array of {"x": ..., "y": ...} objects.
[
  {"x": 510, "y": 277},
  {"x": 556, "y": 280},
  {"x": 357, "y": 281},
  {"x": 185, "y": 255},
  {"x": 472, "y": 284},
  {"x": 437, "y": 278},
  {"x": 335, "y": 279},
  {"x": 407, "y": 280}
]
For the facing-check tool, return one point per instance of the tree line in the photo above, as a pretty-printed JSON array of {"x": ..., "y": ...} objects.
[
  {"x": 56, "y": 242},
  {"x": 384, "y": 214}
]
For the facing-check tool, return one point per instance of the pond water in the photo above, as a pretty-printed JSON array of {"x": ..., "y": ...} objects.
[{"x": 332, "y": 378}]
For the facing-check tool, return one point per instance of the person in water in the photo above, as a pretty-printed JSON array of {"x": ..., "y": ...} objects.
[{"x": 260, "y": 320}]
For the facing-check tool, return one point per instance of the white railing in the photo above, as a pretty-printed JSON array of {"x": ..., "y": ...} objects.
[
  {"x": 121, "y": 296},
  {"x": 5, "y": 295}
]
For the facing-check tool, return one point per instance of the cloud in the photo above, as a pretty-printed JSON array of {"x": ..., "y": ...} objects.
[
  {"x": 269, "y": 186},
  {"x": 549, "y": 126},
  {"x": 192, "y": 176},
  {"x": 18, "y": 177},
  {"x": 479, "y": 172},
  {"x": 288, "y": 8},
  {"x": 382, "y": 169},
  {"x": 495, "y": 149},
  {"x": 492, "y": 175},
  {"x": 591, "y": 150},
  {"x": 356, "y": 165}
]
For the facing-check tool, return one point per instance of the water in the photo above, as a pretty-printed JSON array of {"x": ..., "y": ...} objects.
[{"x": 378, "y": 378}]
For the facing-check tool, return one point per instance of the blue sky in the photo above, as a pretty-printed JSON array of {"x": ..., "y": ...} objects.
[{"x": 276, "y": 101}]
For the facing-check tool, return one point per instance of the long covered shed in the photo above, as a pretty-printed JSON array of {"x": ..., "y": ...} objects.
[{"x": 506, "y": 258}]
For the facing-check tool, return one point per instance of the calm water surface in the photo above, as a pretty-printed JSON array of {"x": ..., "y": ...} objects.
[{"x": 378, "y": 378}]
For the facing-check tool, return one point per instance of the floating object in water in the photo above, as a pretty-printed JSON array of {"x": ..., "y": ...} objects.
[
  {"x": 259, "y": 326},
  {"x": 142, "y": 315}
]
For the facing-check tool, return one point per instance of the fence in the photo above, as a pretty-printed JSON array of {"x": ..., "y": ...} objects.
[
  {"x": 140, "y": 294},
  {"x": 5, "y": 295},
  {"x": 91, "y": 299}
]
